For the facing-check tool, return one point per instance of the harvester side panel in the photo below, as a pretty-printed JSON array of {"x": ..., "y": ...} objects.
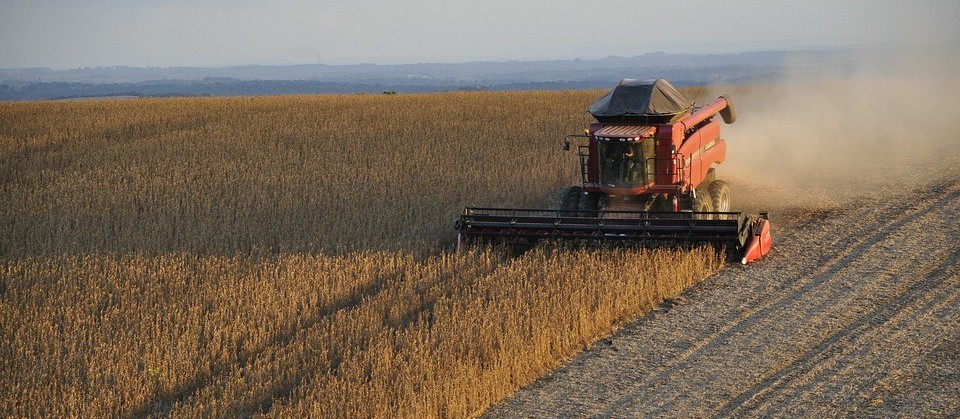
[{"x": 701, "y": 150}]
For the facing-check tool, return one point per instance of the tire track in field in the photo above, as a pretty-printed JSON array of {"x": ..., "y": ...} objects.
[
  {"x": 856, "y": 383},
  {"x": 829, "y": 281},
  {"x": 664, "y": 349},
  {"x": 850, "y": 334},
  {"x": 937, "y": 313},
  {"x": 822, "y": 275},
  {"x": 926, "y": 309}
]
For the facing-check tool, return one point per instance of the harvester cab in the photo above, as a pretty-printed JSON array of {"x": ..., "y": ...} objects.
[{"x": 647, "y": 177}]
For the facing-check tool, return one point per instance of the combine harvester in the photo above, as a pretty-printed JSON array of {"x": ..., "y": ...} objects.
[{"x": 647, "y": 172}]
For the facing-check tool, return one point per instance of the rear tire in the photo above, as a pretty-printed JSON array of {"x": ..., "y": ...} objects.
[
  {"x": 720, "y": 194},
  {"x": 570, "y": 203}
]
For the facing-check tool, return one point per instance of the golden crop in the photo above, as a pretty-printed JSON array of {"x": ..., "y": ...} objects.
[{"x": 288, "y": 255}]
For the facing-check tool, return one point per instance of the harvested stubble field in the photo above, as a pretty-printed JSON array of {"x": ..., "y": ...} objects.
[{"x": 289, "y": 256}]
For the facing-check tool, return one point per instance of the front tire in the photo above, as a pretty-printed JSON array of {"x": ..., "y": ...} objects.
[
  {"x": 570, "y": 203},
  {"x": 720, "y": 196},
  {"x": 703, "y": 203},
  {"x": 589, "y": 204}
]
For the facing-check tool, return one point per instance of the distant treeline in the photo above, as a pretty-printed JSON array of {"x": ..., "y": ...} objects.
[
  {"x": 67, "y": 90},
  {"x": 64, "y": 90},
  {"x": 434, "y": 81}
]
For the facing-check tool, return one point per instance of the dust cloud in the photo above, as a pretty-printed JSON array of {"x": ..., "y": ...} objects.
[{"x": 875, "y": 127}]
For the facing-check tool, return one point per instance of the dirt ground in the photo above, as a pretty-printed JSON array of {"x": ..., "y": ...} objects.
[{"x": 855, "y": 313}]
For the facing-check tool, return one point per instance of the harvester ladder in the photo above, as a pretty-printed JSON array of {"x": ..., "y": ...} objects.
[{"x": 583, "y": 151}]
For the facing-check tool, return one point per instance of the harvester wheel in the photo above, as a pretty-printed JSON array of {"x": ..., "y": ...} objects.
[
  {"x": 570, "y": 203},
  {"x": 720, "y": 194},
  {"x": 703, "y": 203},
  {"x": 588, "y": 204}
]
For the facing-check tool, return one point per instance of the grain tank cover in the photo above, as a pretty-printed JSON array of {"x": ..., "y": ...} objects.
[{"x": 649, "y": 101}]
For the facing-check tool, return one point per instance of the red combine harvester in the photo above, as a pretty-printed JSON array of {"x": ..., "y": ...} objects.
[{"x": 647, "y": 171}]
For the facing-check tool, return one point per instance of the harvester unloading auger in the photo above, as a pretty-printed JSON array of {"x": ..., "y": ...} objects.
[{"x": 647, "y": 172}]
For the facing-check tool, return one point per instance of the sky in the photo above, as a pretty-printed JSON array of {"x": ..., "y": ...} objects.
[{"x": 65, "y": 34}]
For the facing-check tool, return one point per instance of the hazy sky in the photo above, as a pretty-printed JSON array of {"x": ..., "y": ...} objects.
[{"x": 66, "y": 34}]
